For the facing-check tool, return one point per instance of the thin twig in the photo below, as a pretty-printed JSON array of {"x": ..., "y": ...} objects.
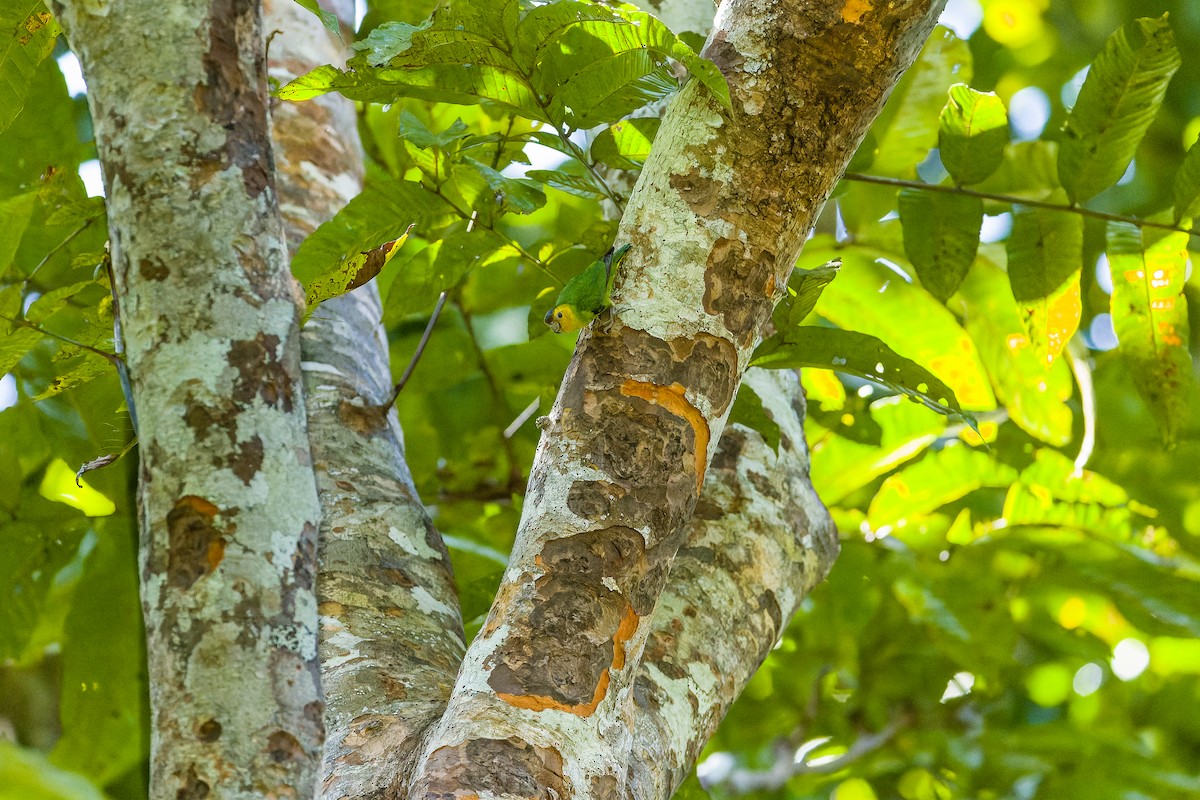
[
  {"x": 59, "y": 246},
  {"x": 521, "y": 419},
  {"x": 24, "y": 323},
  {"x": 1003, "y": 198},
  {"x": 412, "y": 364},
  {"x": 514, "y": 469}
]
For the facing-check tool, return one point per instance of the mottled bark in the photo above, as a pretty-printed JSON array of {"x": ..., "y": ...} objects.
[
  {"x": 759, "y": 541},
  {"x": 717, "y": 220},
  {"x": 391, "y": 634},
  {"x": 227, "y": 501}
]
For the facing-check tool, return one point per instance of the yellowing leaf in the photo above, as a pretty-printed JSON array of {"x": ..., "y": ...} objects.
[
  {"x": 58, "y": 485},
  {"x": 354, "y": 271},
  {"x": 1044, "y": 263},
  {"x": 1150, "y": 318}
]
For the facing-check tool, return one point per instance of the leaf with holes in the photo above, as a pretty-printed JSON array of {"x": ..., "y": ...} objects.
[
  {"x": 870, "y": 296},
  {"x": 860, "y": 355},
  {"x": 1149, "y": 313}
]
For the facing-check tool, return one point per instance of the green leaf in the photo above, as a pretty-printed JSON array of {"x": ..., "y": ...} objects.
[
  {"x": 16, "y": 212},
  {"x": 1186, "y": 189},
  {"x": 1028, "y": 171},
  {"x": 598, "y": 63},
  {"x": 37, "y": 576},
  {"x": 748, "y": 410},
  {"x": 26, "y": 150},
  {"x": 567, "y": 63},
  {"x": 27, "y": 35},
  {"x": 103, "y": 705},
  {"x": 803, "y": 291},
  {"x": 860, "y": 355},
  {"x": 972, "y": 133},
  {"x": 28, "y": 775},
  {"x": 381, "y": 213},
  {"x": 18, "y": 340},
  {"x": 626, "y": 144},
  {"x": 1045, "y": 256},
  {"x": 85, "y": 370},
  {"x": 1035, "y": 397},
  {"x": 907, "y": 128},
  {"x": 870, "y": 297},
  {"x": 1051, "y": 491},
  {"x": 518, "y": 195},
  {"x": 410, "y": 127},
  {"x": 1119, "y": 99},
  {"x": 924, "y": 606},
  {"x": 1149, "y": 313},
  {"x": 328, "y": 18},
  {"x": 941, "y": 235},
  {"x": 55, "y": 300},
  {"x": 576, "y": 183},
  {"x": 937, "y": 479}
]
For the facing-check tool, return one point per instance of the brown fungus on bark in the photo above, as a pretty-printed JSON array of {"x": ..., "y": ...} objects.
[
  {"x": 738, "y": 279},
  {"x": 500, "y": 767},
  {"x": 235, "y": 100},
  {"x": 583, "y": 602},
  {"x": 195, "y": 545},
  {"x": 260, "y": 371}
]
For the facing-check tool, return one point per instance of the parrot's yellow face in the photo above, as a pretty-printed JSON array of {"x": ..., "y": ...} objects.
[{"x": 563, "y": 319}]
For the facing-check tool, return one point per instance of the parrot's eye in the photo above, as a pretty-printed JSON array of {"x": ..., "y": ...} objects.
[{"x": 559, "y": 315}]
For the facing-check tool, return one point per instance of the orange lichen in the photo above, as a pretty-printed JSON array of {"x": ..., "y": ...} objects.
[
  {"x": 854, "y": 9},
  {"x": 673, "y": 400}
]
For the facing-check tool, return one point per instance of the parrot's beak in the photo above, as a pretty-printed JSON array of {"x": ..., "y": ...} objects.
[{"x": 551, "y": 321}]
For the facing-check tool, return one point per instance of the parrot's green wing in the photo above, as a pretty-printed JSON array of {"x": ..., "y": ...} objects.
[{"x": 587, "y": 294}]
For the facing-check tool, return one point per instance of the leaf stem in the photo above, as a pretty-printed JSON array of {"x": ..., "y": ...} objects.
[{"x": 1003, "y": 198}]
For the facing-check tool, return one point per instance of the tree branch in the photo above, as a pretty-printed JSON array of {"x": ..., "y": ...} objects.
[
  {"x": 721, "y": 211},
  {"x": 391, "y": 632},
  {"x": 900, "y": 183}
]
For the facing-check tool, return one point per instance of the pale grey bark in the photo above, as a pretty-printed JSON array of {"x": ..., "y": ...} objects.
[
  {"x": 228, "y": 507},
  {"x": 391, "y": 633},
  {"x": 716, "y": 219},
  {"x": 759, "y": 541}
]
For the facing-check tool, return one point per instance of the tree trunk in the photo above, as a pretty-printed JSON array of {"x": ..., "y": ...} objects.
[{"x": 228, "y": 506}]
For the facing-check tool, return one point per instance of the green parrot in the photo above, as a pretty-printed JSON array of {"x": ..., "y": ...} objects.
[{"x": 587, "y": 294}]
